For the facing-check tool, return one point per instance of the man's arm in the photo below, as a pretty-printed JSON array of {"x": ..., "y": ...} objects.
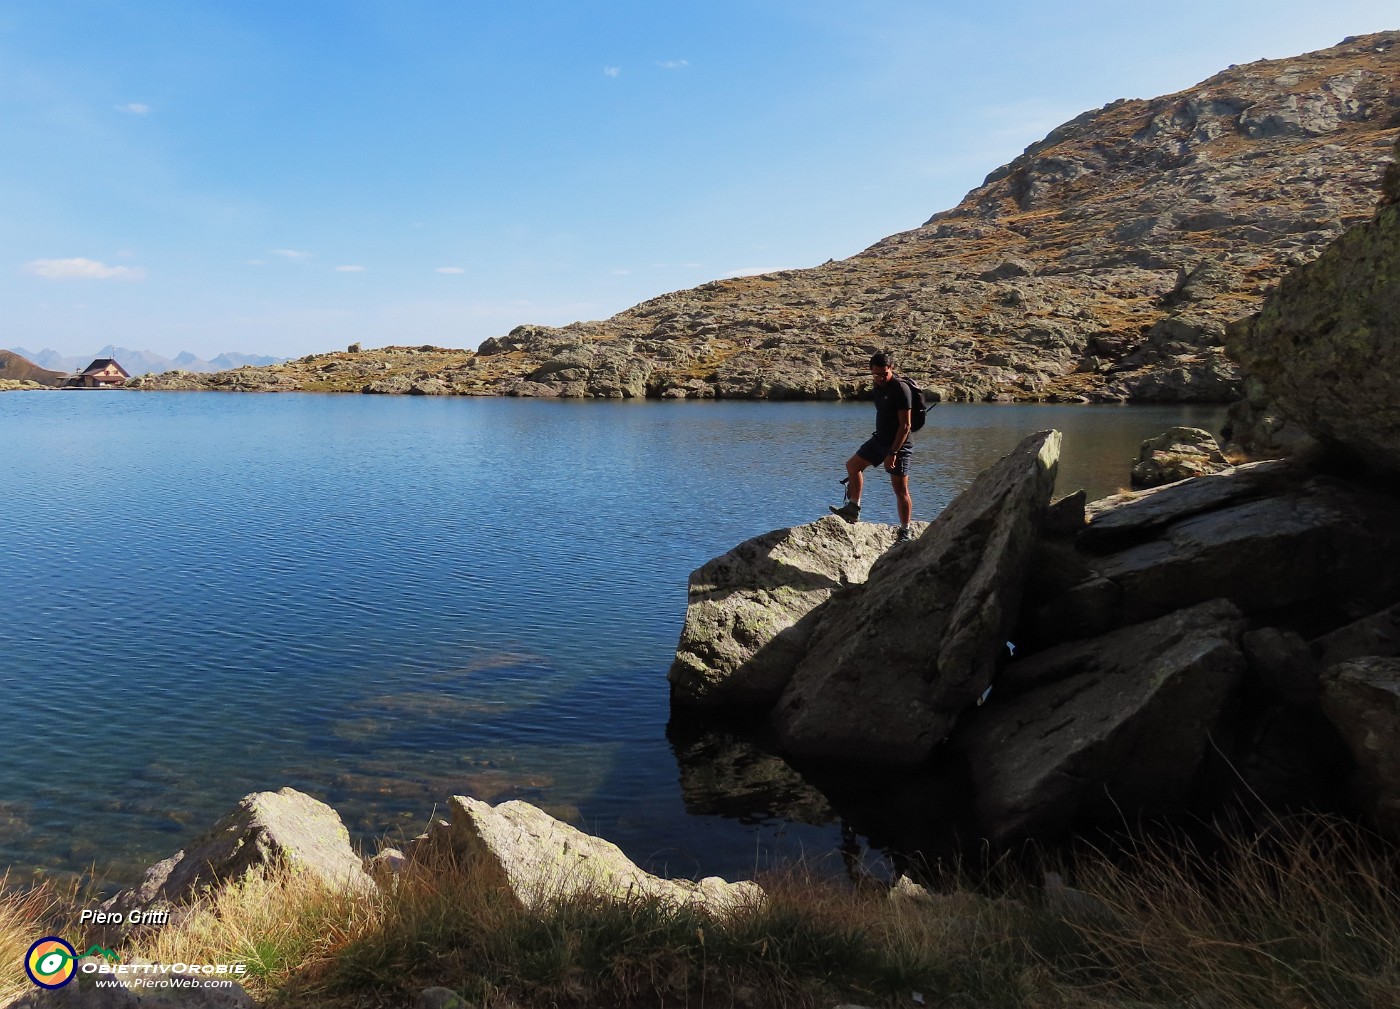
[{"x": 901, "y": 432}]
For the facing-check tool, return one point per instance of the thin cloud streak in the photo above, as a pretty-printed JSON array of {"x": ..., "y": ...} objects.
[{"x": 81, "y": 269}]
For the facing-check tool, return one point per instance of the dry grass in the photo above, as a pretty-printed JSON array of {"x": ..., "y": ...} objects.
[
  {"x": 1304, "y": 916},
  {"x": 27, "y": 914}
]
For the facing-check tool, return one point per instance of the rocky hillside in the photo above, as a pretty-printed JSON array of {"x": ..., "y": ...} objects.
[{"x": 1102, "y": 264}]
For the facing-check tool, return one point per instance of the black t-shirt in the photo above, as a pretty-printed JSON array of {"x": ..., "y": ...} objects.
[{"x": 890, "y": 398}]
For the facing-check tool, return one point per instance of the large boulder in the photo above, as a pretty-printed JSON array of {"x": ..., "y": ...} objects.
[
  {"x": 1121, "y": 721},
  {"x": 1326, "y": 344},
  {"x": 751, "y": 610},
  {"x": 890, "y": 666},
  {"x": 1361, "y": 697},
  {"x": 266, "y": 828},
  {"x": 537, "y": 858}
]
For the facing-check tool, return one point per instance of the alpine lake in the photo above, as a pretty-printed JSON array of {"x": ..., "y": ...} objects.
[{"x": 385, "y": 601}]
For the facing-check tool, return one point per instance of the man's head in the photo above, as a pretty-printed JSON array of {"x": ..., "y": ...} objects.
[{"x": 881, "y": 368}]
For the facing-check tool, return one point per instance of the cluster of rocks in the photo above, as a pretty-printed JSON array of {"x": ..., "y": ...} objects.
[
  {"x": 515, "y": 848},
  {"x": 1102, "y": 264},
  {"x": 1156, "y": 652}
]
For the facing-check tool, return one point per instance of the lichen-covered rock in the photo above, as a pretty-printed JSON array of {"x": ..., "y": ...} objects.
[
  {"x": 1326, "y": 344},
  {"x": 751, "y": 610},
  {"x": 265, "y": 828},
  {"x": 890, "y": 667},
  {"x": 1177, "y": 454}
]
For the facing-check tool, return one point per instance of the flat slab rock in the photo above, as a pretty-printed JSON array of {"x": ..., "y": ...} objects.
[
  {"x": 890, "y": 666},
  {"x": 1136, "y": 514},
  {"x": 1124, "y": 718},
  {"x": 538, "y": 857},
  {"x": 750, "y": 610}
]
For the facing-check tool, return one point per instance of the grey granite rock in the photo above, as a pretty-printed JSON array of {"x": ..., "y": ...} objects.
[
  {"x": 538, "y": 858},
  {"x": 285, "y": 826},
  {"x": 892, "y": 665},
  {"x": 751, "y": 610},
  {"x": 1122, "y": 720}
]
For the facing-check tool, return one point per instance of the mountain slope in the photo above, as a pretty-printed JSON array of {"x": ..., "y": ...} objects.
[
  {"x": 1102, "y": 264},
  {"x": 15, "y": 368}
]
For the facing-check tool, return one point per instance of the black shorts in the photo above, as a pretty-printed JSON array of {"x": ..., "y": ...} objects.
[{"x": 874, "y": 452}]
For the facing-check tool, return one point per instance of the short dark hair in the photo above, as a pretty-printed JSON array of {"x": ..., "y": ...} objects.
[{"x": 881, "y": 360}]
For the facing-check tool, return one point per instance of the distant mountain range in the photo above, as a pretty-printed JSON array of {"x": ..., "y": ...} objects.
[{"x": 143, "y": 362}]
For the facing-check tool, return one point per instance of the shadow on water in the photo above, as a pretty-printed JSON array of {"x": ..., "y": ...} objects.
[{"x": 888, "y": 820}]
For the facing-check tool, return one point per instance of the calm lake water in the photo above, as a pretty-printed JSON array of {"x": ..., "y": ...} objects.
[{"x": 383, "y": 601}]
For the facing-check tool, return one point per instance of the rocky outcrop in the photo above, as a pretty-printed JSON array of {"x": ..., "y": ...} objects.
[
  {"x": 1104, "y": 263},
  {"x": 1264, "y": 536},
  {"x": 537, "y": 858},
  {"x": 1325, "y": 349},
  {"x": 1219, "y": 640},
  {"x": 1177, "y": 454},
  {"x": 266, "y": 828},
  {"x": 752, "y": 610},
  {"x": 890, "y": 667},
  {"x": 1120, "y": 721}
]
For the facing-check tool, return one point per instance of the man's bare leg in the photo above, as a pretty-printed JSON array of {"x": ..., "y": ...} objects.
[
  {"x": 902, "y": 498},
  {"x": 855, "y": 477}
]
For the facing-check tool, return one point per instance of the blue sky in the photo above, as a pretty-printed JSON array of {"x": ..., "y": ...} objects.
[{"x": 293, "y": 176}]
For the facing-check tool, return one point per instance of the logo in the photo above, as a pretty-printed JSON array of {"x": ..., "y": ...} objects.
[{"x": 51, "y": 962}]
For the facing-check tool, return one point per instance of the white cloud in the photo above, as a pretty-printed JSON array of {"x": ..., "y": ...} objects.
[
  {"x": 257, "y": 262},
  {"x": 294, "y": 254},
  {"x": 621, "y": 273},
  {"x": 673, "y": 64},
  {"x": 81, "y": 269},
  {"x": 349, "y": 269},
  {"x": 135, "y": 108},
  {"x": 612, "y": 71},
  {"x": 450, "y": 269},
  {"x": 750, "y": 271}
]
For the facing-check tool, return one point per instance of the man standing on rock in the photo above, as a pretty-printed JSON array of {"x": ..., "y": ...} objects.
[{"x": 890, "y": 444}]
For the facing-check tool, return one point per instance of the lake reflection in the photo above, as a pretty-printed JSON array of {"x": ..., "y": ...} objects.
[{"x": 383, "y": 601}]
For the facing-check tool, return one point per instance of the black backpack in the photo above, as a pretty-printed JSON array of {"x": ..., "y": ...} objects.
[{"x": 919, "y": 413}]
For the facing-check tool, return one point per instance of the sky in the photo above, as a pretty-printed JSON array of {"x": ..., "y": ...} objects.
[{"x": 294, "y": 176}]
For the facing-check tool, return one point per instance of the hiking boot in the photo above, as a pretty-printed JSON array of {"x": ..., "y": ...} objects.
[
  {"x": 905, "y": 535},
  {"x": 850, "y": 511}
]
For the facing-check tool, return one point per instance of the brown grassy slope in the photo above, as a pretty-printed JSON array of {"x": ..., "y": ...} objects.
[
  {"x": 18, "y": 369},
  {"x": 1102, "y": 264}
]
